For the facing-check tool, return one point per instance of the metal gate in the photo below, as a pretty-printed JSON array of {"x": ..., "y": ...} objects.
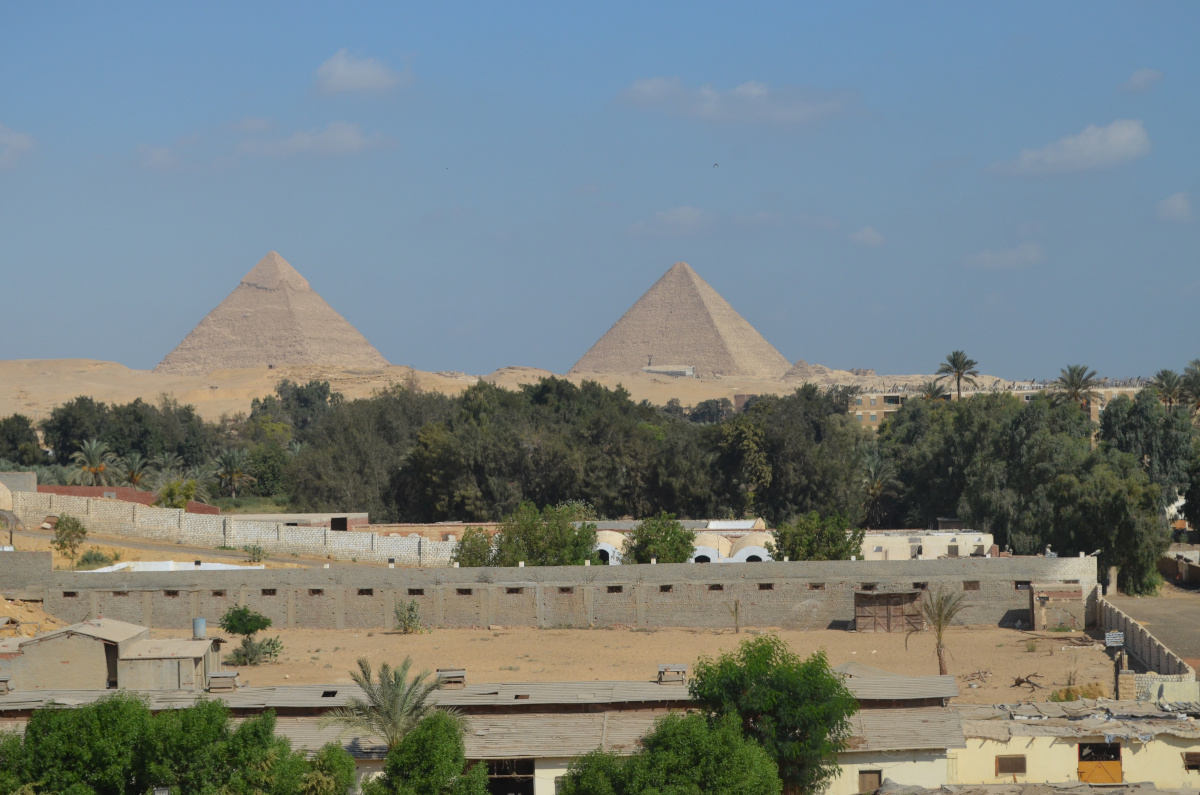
[{"x": 887, "y": 612}]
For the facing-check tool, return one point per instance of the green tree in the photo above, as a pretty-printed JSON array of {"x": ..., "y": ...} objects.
[
  {"x": 543, "y": 538},
  {"x": 933, "y": 390},
  {"x": 1076, "y": 384},
  {"x": 430, "y": 759},
  {"x": 1160, "y": 437},
  {"x": 684, "y": 754},
  {"x": 391, "y": 707},
  {"x": 1169, "y": 386},
  {"x": 797, "y": 709},
  {"x": 232, "y": 470},
  {"x": 176, "y": 494},
  {"x": 961, "y": 368},
  {"x": 73, "y": 423},
  {"x": 268, "y": 462},
  {"x": 811, "y": 536},
  {"x": 939, "y": 609},
  {"x": 1190, "y": 388},
  {"x": 247, "y": 623},
  {"x": 94, "y": 465},
  {"x": 332, "y": 772},
  {"x": 133, "y": 470},
  {"x": 19, "y": 441},
  {"x": 473, "y": 549},
  {"x": 880, "y": 484},
  {"x": 69, "y": 535},
  {"x": 661, "y": 537},
  {"x": 711, "y": 411}
]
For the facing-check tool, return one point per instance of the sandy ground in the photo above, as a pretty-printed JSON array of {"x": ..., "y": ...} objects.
[
  {"x": 26, "y": 619},
  {"x": 112, "y": 546},
  {"x": 35, "y": 386},
  {"x": 523, "y": 654}
]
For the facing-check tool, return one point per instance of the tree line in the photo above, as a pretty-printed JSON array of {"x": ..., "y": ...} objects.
[{"x": 1032, "y": 472}]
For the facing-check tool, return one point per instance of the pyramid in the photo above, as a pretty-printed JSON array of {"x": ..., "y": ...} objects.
[
  {"x": 682, "y": 321},
  {"x": 273, "y": 317}
]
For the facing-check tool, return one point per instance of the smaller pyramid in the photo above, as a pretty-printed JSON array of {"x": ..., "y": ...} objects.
[
  {"x": 273, "y": 317},
  {"x": 683, "y": 322}
]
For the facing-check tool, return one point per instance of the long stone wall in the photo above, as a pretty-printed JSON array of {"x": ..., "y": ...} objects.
[
  {"x": 800, "y": 595},
  {"x": 113, "y": 517},
  {"x": 1148, "y": 650}
]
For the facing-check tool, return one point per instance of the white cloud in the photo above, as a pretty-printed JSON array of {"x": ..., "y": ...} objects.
[
  {"x": 338, "y": 138},
  {"x": 12, "y": 146},
  {"x": 1142, "y": 80},
  {"x": 1022, "y": 256},
  {"x": 867, "y": 236},
  {"x": 1095, "y": 147},
  {"x": 749, "y": 102},
  {"x": 344, "y": 73},
  {"x": 674, "y": 222},
  {"x": 1176, "y": 207}
]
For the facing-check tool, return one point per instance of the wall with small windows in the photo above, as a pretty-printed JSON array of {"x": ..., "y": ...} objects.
[{"x": 801, "y": 595}]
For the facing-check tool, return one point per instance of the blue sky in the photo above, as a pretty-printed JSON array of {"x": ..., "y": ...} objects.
[{"x": 481, "y": 185}]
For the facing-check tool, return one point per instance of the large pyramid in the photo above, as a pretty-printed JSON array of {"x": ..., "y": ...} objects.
[
  {"x": 273, "y": 317},
  {"x": 682, "y": 321}
]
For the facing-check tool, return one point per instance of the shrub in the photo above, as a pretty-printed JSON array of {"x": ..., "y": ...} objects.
[
  {"x": 254, "y": 553},
  {"x": 1077, "y": 692},
  {"x": 69, "y": 535},
  {"x": 408, "y": 618},
  {"x": 93, "y": 559},
  {"x": 255, "y": 652},
  {"x": 243, "y": 621}
]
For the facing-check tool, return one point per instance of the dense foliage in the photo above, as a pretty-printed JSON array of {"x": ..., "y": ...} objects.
[
  {"x": 116, "y": 746},
  {"x": 684, "y": 754},
  {"x": 797, "y": 709},
  {"x": 553, "y": 536},
  {"x": 813, "y": 537},
  {"x": 430, "y": 760},
  {"x": 662, "y": 538}
]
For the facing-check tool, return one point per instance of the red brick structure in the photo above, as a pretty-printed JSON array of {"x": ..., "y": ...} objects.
[{"x": 122, "y": 493}]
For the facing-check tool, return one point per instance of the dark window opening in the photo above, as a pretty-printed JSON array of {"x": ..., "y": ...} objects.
[
  {"x": 1022, "y": 585},
  {"x": 1191, "y": 761},
  {"x": 120, "y": 593},
  {"x": 521, "y": 697},
  {"x": 1099, "y": 752},
  {"x": 867, "y": 586},
  {"x": 416, "y": 591},
  {"x": 977, "y": 552},
  {"x": 514, "y": 590},
  {"x": 665, "y": 588},
  {"x": 510, "y": 776},
  {"x": 869, "y": 780},
  {"x": 316, "y": 591},
  {"x": 328, "y": 693},
  {"x": 971, "y": 585},
  {"x": 716, "y": 587},
  {"x": 603, "y": 555},
  {"x": 566, "y": 589},
  {"x": 268, "y": 591},
  {"x": 754, "y": 559},
  {"x": 766, "y": 586},
  {"x": 1010, "y": 765},
  {"x": 702, "y": 559},
  {"x": 339, "y": 523},
  {"x": 172, "y": 594},
  {"x": 366, "y": 591},
  {"x": 464, "y": 591},
  {"x": 920, "y": 586},
  {"x": 816, "y": 586},
  {"x": 70, "y": 594},
  {"x": 616, "y": 589},
  {"x": 952, "y": 550},
  {"x": 218, "y": 593}
]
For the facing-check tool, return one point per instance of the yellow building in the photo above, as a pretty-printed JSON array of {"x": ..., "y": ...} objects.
[{"x": 925, "y": 544}]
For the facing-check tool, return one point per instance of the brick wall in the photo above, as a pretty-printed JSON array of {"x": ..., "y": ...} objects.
[
  {"x": 1149, "y": 651},
  {"x": 801, "y": 595}
]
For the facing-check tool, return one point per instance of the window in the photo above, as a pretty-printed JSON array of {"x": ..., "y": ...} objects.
[
  {"x": 971, "y": 585},
  {"x": 1191, "y": 761},
  {"x": 977, "y": 552},
  {"x": 858, "y": 401},
  {"x": 1010, "y": 765},
  {"x": 316, "y": 591},
  {"x": 891, "y": 400},
  {"x": 665, "y": 588},
  {"x": 416, "y": 591},
  {"x": 920, "y": 586},
  {"x": 816, "y": 586},
  {"x": 464, "y": 591},
  {"x": 869, "y": 780},
  {"x": 218, "y": 594},
  {"x": 766, "y": 586},
  {"x": 859, "y": 416},
  {"x": 70, "y": 595},
  {"x": 872, "y": 418},
  {"x": 328, "y": 693},
  {"x": 616, "y": 589},
  {"x": 952, "y": 550},
  {"x": 867, "y": 586},
  {"x": 1022, "y": 585},
  {"x": 877, "y": 549},
  {"x": 566, "y": 589},
  {"x": 172, "y": 594},
  {"x": 872, "y": 401},
  {"x": 514, "y": 590},
  {"x": 366, "y": 591},
  {"x": 268, "y": 591},
  {"x": 120, "y": 593},
  {"x": 1099, "y": 752},
  {"x": 716, "y": 587}
]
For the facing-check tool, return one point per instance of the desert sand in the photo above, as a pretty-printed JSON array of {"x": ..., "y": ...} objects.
[{"x": 522, "y": 654}]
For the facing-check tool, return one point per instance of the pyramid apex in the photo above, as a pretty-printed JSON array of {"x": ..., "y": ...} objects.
[{"x": 274, "y": 272}]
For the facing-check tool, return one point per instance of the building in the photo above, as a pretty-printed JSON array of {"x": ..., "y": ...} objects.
[
  {"x": 926, "y": 544},
  {"x": 104, "y": 654}
]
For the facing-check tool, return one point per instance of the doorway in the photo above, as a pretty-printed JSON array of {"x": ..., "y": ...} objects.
[{"x": 1100, "y": 763}]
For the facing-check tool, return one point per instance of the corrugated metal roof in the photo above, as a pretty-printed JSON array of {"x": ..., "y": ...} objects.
[
  {"x": 166, "y": 649},
  {"x": 901, "y": 688},
  {"x": 906, "y": 729}
]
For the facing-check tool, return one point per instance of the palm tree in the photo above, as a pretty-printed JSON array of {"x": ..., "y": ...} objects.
[
  {"x": 391, "y": 707},
  {"x": 1169, "y": 386},
  {"x": 203, "y": 477},
  {"x": 939, "y": 611},
  {"x": 1076, "y": 384},
  {"x": 933, "y": 390},
  {"x": 134, "y": 469},
  {"x": 93, "y": 465},
  {"x": 167, "y": 467},
  {"x": 879, "y": 483},
  {"x": 960, "y": 367},
  {"x": 231, "y": 470},
  {"x": 1191, "y": 387}
]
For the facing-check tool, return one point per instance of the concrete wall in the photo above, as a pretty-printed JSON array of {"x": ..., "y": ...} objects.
[
  {"x": 66, "y": 661},
  {"x": 167, "y": 674},
  {"x": 913, "y": 768},
  {"x": 801, "y": 595},
  {"x": 111, "y": 517},
  {"x": 1054, "y": 606},
  {"x": 1148, "y": 650}
]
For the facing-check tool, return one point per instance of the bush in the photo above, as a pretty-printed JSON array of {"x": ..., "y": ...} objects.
[
  {"x": 254, "y": 553},
  {"x": 255, "y": 652},
  {"x": 408, "y": 618},
  {"x": 1077, "y": 692},
  {"x": 69, "y": 535},
  {"x": 93, "y": 559},
  {"x": 243, "y": 621},
  {"x": 660, "y": 537}
]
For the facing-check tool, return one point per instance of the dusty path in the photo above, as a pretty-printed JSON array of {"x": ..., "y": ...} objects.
[{"x": 521, "y": 654}]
